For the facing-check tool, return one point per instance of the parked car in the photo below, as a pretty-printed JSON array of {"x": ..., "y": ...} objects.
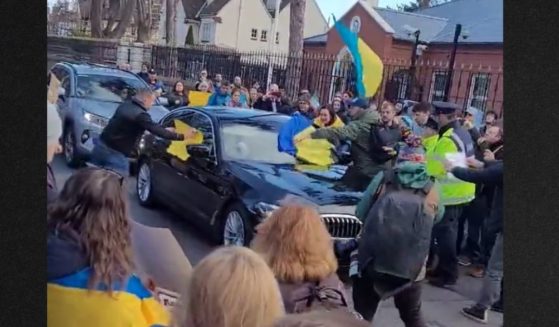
[
  {"x": 88, "y": 97},
  {"x": 237, "y": 176}
]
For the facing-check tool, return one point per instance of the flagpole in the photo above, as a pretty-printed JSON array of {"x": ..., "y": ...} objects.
[{"x": 271, "y": 41}]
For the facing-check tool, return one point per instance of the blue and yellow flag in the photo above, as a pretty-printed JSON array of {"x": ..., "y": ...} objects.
[{"x": 368, "y": 66}]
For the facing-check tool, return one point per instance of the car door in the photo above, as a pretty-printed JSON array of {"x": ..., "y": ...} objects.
[
  {"x": 166, "y": 178},
  {"x": 204, "y": 187}
]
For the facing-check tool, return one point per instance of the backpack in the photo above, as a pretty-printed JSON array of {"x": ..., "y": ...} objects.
[
  {"x": 396, "y": 236},
  {"x": 327, "y": 294},
  {"x": 380, "y": 136}
]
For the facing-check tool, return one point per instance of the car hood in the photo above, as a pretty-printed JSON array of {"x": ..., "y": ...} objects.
[
  {"x": 107, "y": 109},
  {"x": 277, "y": 184}
]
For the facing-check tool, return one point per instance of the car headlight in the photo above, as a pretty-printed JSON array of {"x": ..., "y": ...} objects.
[
  {"x": 96, "y": 120},
  {"x": 264, "y": 210}
]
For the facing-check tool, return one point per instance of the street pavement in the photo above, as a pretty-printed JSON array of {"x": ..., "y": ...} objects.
[{"x": 441, "y": 307}]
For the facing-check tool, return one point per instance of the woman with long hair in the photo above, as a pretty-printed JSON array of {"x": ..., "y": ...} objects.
[
  {"x": 236, "y": 99},
  {"x": 327, "y": 117},
  {"x": 231, "y": 287},
  {"x": 178, "y": 97},
  {"x": 298, "y": 248},
  {"x": 89, "y": 257}
]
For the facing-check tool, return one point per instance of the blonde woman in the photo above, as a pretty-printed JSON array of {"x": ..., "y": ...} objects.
[
  {"x": 231, "y": 287},
  {"x": 297, "y": 246},
  {"x": 89, "y": 257}
]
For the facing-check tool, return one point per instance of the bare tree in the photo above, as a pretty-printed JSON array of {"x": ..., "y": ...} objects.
[
  {"x": 96, "y": 11},
  {"x": 143, "y": 20},
  {"x": 124, "y": 13},
  {"x": 170, "y": 17},
  {"x": 296, "y": 34}
]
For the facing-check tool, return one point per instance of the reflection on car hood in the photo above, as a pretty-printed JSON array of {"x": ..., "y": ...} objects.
[
  {"x": 107, "y": 109},
  {"x": 278, "y": 183}
]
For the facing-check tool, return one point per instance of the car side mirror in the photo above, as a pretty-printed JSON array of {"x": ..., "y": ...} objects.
[{"x": 198, "y": 151}]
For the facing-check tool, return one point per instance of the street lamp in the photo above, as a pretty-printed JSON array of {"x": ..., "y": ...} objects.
[
  {"x": 448, "y": 85},
  {"x": 415, "y": 53}
]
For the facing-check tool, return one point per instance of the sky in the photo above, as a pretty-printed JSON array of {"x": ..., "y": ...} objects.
[{"x": 339, "y": 7}]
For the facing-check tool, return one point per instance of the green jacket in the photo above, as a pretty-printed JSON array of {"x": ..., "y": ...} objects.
[
  {"x": 357, "y": 131},
  {"x": 413, "y": 180}
]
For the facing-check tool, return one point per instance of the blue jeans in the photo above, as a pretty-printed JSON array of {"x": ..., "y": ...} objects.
[
  {"x": 491, "y": 289},
  {"x": 107, "y": 158}
]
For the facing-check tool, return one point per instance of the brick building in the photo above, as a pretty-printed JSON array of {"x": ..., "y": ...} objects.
[{"x": 477, "y": 78}]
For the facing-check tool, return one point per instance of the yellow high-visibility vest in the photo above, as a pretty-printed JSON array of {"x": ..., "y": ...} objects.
[{"x": 453, "y": 190}]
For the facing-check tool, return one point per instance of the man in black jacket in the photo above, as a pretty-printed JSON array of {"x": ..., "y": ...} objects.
[
  {"x": 127, "y": 125},
  {"x": 491, "y": 290}
]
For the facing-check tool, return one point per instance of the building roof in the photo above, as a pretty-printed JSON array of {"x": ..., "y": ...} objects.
[
  {"x": 316, "y": 39},
  {"x": 216, "y": 5},
  {"x": 429, "y": 26},
  {"x": 483, "y": 19},
  {"x": 191, "y": 7}
]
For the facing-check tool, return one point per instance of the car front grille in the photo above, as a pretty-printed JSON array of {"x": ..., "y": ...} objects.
[{"x": 342, "y": 226}]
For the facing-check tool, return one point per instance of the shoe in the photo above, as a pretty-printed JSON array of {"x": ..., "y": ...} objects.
[
  {"x": 477, "y": 272},
  {"x": 464, "y": 261},
  {"x": 441, "y": 282},
  {"x": 476, "y": 313},
  {"x": 497, "y": 307}
]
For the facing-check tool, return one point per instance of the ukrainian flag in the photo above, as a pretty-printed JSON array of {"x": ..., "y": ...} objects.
[{"x": 368, "y": 65}]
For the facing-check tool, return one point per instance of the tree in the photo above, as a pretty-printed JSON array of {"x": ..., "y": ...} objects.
[
  {"x": 143, "y": 20},
  {"x": 170, "y": 17},
  {"x": 119, "y": 14},
  {"x": 189, "y": 37},
  {"x": 296, "y": 34}
]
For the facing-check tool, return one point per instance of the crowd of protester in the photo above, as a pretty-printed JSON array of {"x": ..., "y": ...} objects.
[{"x": 288, "y": 276}]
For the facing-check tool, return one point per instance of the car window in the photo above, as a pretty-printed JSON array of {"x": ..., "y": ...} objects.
[
  {"x": 253, "y": 140},
  {"x": 198, "y": 121},
  {"x": 107, "y": 88}
]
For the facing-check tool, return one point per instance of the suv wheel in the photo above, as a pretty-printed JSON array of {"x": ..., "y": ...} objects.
[
  {"x": 144, "y": 189},
  {"x": 236, "y": 228},
  {"x": 70, "y": 150}
]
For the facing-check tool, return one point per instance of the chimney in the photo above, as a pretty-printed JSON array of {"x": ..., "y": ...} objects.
[{"x": 370, "y": 3}]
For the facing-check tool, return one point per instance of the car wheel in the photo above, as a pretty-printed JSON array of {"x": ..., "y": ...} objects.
[
  {"x": 236, "y": 228},
  {"x": 144, "y": 185},
  {"x": 70, "y": 149}
]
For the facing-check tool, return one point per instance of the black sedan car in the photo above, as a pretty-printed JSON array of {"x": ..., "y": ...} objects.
[{"x": 237, "y": 176}]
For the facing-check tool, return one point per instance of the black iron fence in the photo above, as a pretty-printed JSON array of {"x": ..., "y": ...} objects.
[{"x": 322, "y": 74}]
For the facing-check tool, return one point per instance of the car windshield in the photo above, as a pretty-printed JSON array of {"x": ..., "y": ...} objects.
[
  {"x": 107, "y": 88},
  {"x": 253, "y": 139}
]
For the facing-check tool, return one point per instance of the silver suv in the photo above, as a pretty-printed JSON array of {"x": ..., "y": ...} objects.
[{"x": 88, "y": 97}]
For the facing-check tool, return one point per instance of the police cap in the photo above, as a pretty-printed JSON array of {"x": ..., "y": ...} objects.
[{"x": 445, "y": 108}]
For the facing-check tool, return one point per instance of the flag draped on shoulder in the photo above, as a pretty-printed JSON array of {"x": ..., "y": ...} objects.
[{"x": 368, "y": 65}]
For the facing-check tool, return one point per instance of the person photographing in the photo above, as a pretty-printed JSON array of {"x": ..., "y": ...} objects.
[{"x": 123, "y": 131}]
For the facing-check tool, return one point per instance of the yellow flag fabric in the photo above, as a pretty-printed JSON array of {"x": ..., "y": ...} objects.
[
  {"x": 314, "y": 152},
  {"x": 372, "y": 68},
  {"x": 198, "y": 99},
  {"x": 178, "y": 148}
]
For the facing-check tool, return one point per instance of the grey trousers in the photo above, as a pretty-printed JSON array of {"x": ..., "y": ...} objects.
[{"x": 491, "y": 289}]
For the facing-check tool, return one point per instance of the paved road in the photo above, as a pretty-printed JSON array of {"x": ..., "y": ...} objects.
[{"x": 441, "y": 307}]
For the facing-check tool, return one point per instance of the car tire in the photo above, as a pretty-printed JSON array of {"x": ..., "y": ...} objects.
[
  {"x": 235, "y": 224},
  {"x": 144, "y": 185},
  {"x": 70, "y": 149}
]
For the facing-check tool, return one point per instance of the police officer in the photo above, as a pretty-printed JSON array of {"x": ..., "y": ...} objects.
[{"x": 456, "y": 194}]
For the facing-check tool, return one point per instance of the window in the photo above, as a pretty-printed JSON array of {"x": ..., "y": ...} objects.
[
  {"x": 438, "y": 85},
  {"x": 254, "y": 34},
  {"x": 206, "y": 32},
  {"x": 198, "y": 121},
  {"x": 107, "y": 88},
  {"x": 277, "y": 38},
  {"x": 479, "y": 89},
  {"x": 264, "y": 36},
  {"x": 355, "y": 26}
]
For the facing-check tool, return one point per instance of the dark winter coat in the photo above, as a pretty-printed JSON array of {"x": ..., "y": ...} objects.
[{"x": 52, "y": 189}]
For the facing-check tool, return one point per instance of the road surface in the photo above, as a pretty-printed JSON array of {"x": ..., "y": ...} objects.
[{"x": 440, "y": 306}]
